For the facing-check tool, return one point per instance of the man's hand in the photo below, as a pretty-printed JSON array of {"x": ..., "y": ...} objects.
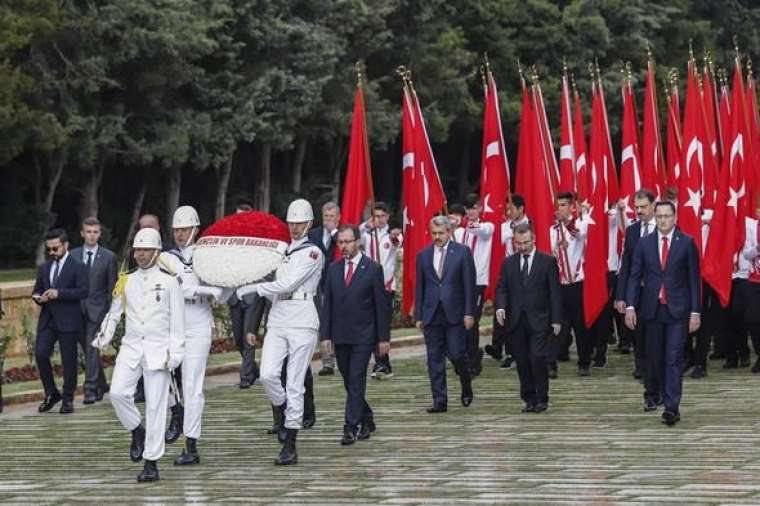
[
  {"x": 251, "y": 338},
  {"x": 173, "y": 362},
  {"x": 501, "y": 316},
  {"x": 630, "y": 318},
  {"x": 620, "y": 306},
  {"x": 394, "y": 235},
  {"x": 694, "y": 323},
  {"x": 418, "y": 324},
  {"x": 556, "y": 327},
  {"x": 50, "y": 294},
  {"x": 469, "y": 322},
  {"x": 383, "y": 348}
]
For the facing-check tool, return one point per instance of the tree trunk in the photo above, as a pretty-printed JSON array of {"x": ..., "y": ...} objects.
[
  {"x": 297, "y": 170},
  {"x": 89, "y": 205},
  {"x": 136, "y": 209},
  {"x": 262, "y": 197},
  {"x": 173, "y": 186},
  {"x": 340, "y": 152},
  {"x": 225, "y": 172},
  {"x": 55, "y": 162}
]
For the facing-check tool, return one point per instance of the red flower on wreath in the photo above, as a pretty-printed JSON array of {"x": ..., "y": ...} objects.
[{"x": 250, "y": 224}]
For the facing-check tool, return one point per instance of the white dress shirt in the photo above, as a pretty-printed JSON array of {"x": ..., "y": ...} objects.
[
  {"x": 86, "y": 249},
  {"x": 354, "y": 260},
  {"x": 60, "y": 267},
  {"x": 508, "y": 235},
  {"x": 477, "y": 237},
  {"x": 437, "y": 252},
  {"x": 386, "y": 250}
]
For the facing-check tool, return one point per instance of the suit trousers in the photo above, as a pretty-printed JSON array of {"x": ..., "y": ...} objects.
[
  {"x": 385, "y": 360},
  {"x": 500, "y": 339},
  {"x": 604, "y": 326},
  {"x": 734, "y": 329},
  {"x": 328, "y": 359},
  {"x": 43, "y": 350},
  {"x": 94, "y": 377},
  {"x": 442, "y": 340},
  {"x": 752, "y": 314},
  {"x": 297, "y": 345},
  {"x": 532, "y": 352},
  {"x": 666, "y": 339},
  {"x": 698, "y": 343},
  {"x": 122, "y": 396},
  {"x": 240, "y": 314},
  {"x": 197, "y": 347},
  {"x": 473, "y": 335},
  {"x": 572, "y": 319},
  {"x": 353, "y": 360}
]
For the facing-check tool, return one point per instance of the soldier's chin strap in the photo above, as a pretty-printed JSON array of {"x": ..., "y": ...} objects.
[
  {"x": 152, "y": 260},
  {"x": 305, "y": 230}
]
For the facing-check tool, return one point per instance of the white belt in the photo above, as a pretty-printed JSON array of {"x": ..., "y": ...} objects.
[
  {"x": 297, "y": 295},
  {"x": 202, "y": 299}
]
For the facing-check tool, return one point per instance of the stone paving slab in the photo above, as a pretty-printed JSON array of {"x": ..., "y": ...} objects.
[{"x": 595, "y": 445}]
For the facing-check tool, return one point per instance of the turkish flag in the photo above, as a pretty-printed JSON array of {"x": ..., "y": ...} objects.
[
  {"x": 434, "y": 199},
  {"x": 413, "y": 211},
  {"x": 357, "y": 189},
  {"x": 579, "y": 146},
  {"x": 652, "y": 165},
  {"x": 494, "y": 178},
  {"x": 595, "y": 292},
  {"x": 547, "y": 144},
  {"x": 673, "y": 150},
  {"x": 724, "y": 120},
  {"x": 539, "y": 198},
  {"x": 692, "y": 162},
  {"x": 709, "y": 141},
  {"x": 752, "y": 168},
  {"x": 524, "y": 147},
  {"x": 567, "y": 147},
  {"x": 727, "y": 227},
  {"x": 613, "y": 188},
  {"x": 709, "y": 101},
  {"x": 630, "y": 167}
]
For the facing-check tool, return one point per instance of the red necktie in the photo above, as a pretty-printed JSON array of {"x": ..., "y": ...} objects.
[
  {"x": 350, "y": 273},
  {"x": 663, "y": 264}
]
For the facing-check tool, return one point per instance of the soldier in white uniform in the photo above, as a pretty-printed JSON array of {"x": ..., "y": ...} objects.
[
  {"x": 477, "y": 236},
  {"x": 153, "y": 344},
  {"x": 292, "y": 327},
  {"x": 381, "y": 243},
  {"x": 199, "y": 322}
]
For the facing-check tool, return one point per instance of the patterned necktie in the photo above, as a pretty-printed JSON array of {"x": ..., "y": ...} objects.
[
  {"x": 663, "y": 264},
  {"x": 441, "y": 260},
  {"x": 350, "y": 273},
  {"x": 646, "y": 230}
]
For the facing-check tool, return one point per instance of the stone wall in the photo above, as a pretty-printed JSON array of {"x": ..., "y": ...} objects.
[{"x": 20, "y": 314}]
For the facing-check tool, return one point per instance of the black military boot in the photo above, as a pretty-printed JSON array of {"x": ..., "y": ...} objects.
[
  {"x": 174, "y": 431},
  {"x": 149, "y": 472},
  {"x": 189, "y": 455},
  {"x": 309, "y": 410},
  {"x": 288, "y": 455},
  {"x": 278, "y": 422},
  {"x": 137, "y": 446}
]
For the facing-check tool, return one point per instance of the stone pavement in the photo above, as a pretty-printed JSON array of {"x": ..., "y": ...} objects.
[{"x": 595, "y": 445}]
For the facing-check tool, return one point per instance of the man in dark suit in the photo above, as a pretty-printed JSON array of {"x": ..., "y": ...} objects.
[
  {"x": 102, "y": 273},
  {"x": 529, "y": 304},
  {"x": 644, "y": 205},
  {"x": 355, "y": 319},
  {"x": 325, "y": 237},
  {"x": 60, "y": 287},
  {"x": 443, "y": 308},
  {"x": 664, "y": 285}
]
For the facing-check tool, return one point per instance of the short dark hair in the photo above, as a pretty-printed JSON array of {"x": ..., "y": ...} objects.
[
  {"x": 518, "y": 200},
  {"x": 90, "y": 221},
  {"x": 57, "y": 233},
  {"x": 566, "y": 196},
  {"x": 471, "y": 200},
  {"x": 381, "y": 206},
  {"x": 244, "y": 205},
  {"x": 666, "y": 203},
  {"x": 524, "y": 228},
  {"x": 349, "y": 226},
  {"x": 456, "y": 209},
  {"x": 644, "y": 194}
]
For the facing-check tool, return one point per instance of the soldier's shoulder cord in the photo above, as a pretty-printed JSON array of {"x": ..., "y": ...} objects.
[
  {"x": 165, "y": 267},
  {"x": 303, "y": 246},
  {"x": 179, "y": 256}
]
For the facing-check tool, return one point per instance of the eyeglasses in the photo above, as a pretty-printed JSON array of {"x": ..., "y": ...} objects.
[{"x": 344, "y": 241}]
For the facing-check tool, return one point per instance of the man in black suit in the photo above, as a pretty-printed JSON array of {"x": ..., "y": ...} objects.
[
  {"x": 102, "y": 274},
  {"x": 529, "y": 304},
  {"x": 325, "y": 237},
  {"x": 664, "y": 285},
  {"x": 644, "y": 205},
  {"x": 60, "y": 287},
  {"x": 443, "y": 308},
  {"x": 355, "y": 319}
]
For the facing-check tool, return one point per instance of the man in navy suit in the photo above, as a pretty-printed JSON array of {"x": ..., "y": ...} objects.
[
  {"x": 529, "y": 305},
  {"x": 668, "y": 301},
  {"x": 355, "y": 319},
  {"x": 444, "y": 307},
  {"x": 643, "y": 201},
  {"x": 61, "y": 285}
]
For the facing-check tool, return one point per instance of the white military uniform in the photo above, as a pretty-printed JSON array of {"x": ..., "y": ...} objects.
[
  {"x": 381, "y": 249},
  {"x": 199, "y": 323},
  {"x": 570, "y": 258},
  {"x": 508, "y": 235},
  {"x": 478, "y": 238},
  {"x": 153, "y": 343},
  {"x": 292, "y": 326}
]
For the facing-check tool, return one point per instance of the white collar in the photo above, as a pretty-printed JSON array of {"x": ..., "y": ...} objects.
[{"x": 355, "y": 259}]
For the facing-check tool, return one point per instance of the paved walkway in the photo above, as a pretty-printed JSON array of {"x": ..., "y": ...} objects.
[{"x": 595, "y": 445}]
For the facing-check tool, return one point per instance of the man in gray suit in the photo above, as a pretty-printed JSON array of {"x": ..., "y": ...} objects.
[{"x": 102, "y": 272}]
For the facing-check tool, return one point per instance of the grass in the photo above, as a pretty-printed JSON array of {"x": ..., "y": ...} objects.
[{"x": 16, "y": 275}]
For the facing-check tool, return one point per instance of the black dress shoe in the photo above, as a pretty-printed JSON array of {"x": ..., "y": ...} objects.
[
  {"x": 529, "y": 408},
  {"x": 49, "y": 402},
  {"x": 493, "y": 352},
  {"x": 89, "y": 398},
  {"x": 437, "y": 408},
  {"x": 756, "y": 367},
  {"x": 699, "y": 372},
  {"x": 687, "y": 367},
  {"x": 670, "y": 418},
  {"x": 349, "y": 436},
  {"x": 553, "y": 372},
  {"x": 366, "y": 429},
  {"x": 244, "y": 385},
  {"x": 508, "y": 363},
  {"x": 717, "y": 355},
  {"x": 326, "y": 371},
  {"x": 101, "y": 392},
  {"x": 731, "y": 364},
  {"x": 650, "y": 405},
  {"x": 540, "y": 407},
  {"x": 174, "y": 430},
  {"x": 599, "y": 363},
  {"x": 67, "y": 407},
  {"x": 137, "y": 446},
  {"x": 624, "y": 349},
  {"x": 584, "y": 371},
  {"x": 744, "y": 362},
  {"x": 466, "y": 399},
  {"x": 189, "y": 455},
  {"x": 637, "y": 373},
  {"x": 149, "y": 472}
]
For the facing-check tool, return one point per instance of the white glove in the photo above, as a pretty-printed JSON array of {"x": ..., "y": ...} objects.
[
  {"x": 100, "y": 341},
  {"x": 173, "y": 362},
  {"x": 211, "y": 291},
  {"x": 246, "y": 290},
  {"x": 104, "y": 336}
]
